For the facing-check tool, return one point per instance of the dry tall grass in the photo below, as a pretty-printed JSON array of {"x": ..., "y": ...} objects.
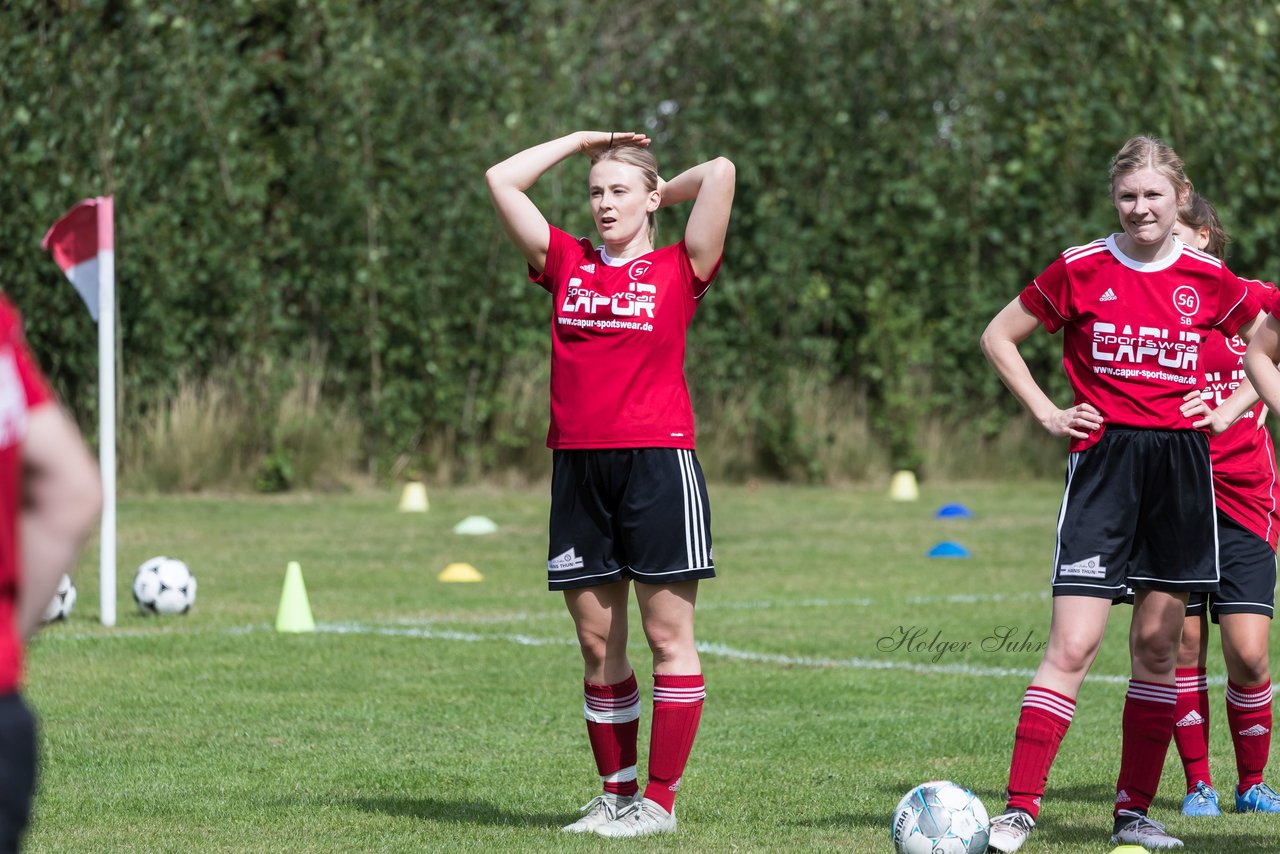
[
  {"x": 193, "y": 441},
  {"x": 226, "y": 433},
  {"x": 278, "y": 431}
]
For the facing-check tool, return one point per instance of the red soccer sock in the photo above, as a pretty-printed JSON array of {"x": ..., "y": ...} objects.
[
  {"x": 613, "y": 721},
  {"x": 677, "y": 708},
  {"x": 1249, "y": 714},
  {"x": 1191, "y": 727},
  {"x": 1147, "y": 730},
  {"x": 1042, "y": 725}
]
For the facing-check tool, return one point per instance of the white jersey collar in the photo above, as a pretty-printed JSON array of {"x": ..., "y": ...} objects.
[{"x": 1145, "y": 266}]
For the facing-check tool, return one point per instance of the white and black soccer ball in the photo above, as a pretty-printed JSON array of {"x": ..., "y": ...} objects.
[
  {"x": 63, "y": 601},
  {"x": 940, "y": 817},
  {"x": 164, "y": 585}
]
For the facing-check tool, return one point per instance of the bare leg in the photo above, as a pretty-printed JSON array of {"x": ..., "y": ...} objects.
[
  {"x": 600, "y": 617},
  {"x": 667, "y": 614}
]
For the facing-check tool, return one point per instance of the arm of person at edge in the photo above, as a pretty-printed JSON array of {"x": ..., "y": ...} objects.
[
  {"x": 1240, "y": 401},
  {"x": 510, "y": 180},
  {"x": 1000, "y": 343},
  {"x": 710, "y": 186},
  {"x": 62, "y": 499},
  {"x": 1260, "y": 361}
]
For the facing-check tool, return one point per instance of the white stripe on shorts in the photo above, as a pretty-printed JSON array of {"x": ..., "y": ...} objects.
[
  {"x": 1072, "y": 461},
  {"x": 694, "y": 520}
]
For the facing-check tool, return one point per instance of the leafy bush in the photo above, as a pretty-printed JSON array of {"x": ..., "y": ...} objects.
[{"x": 290, "y": 173}]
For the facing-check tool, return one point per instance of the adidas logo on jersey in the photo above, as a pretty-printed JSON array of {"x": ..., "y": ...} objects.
[
  {"x": 1256, "y": 729},
  {"x": 568, "y": 560},
  {"x": 1108, "y": 296},
  {"x": 1191, "y": 718},
  {"x": 588, "y": 268}
]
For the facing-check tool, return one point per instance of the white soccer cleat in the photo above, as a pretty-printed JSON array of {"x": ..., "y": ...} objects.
[
  {"x": 1140, "y": 830},
  {"x": 641, "y": 817},
  {"x": 1009, "y": 830},
  {"x": 600, "y": 811}
]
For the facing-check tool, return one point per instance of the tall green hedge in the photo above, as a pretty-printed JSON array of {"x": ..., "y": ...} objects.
[{"x": 307, "y": 175}]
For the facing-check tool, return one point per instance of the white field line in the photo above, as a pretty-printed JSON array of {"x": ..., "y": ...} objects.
[
  {"x": 422, "y": 629},
  {"x": 426, "y": 629},
  {"x": 717, "y": 650},
  {"x": 749, "y": 605},
  {"x": 560, "y": 614}
]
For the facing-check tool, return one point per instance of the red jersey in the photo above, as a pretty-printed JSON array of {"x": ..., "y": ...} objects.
[
  {"x": 22, "y": 388},
  {"x": 617, "y": 345},
  {"x": 1244, "y": 461},
  {"x": 1132, "y": 331}
]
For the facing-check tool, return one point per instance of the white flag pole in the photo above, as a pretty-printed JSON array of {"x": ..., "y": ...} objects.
[{"x": 107, "y": 407}]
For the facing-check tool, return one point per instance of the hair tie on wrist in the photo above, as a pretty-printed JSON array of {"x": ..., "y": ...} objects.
[{"x": 611, "y": 139}]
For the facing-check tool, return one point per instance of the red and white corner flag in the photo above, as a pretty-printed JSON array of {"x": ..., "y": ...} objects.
[
  {"x": 83, "y": 244},
  {"x": 78, "y": 242}
]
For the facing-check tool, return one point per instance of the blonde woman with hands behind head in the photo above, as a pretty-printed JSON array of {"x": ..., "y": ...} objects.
[{"x": 629, "y": 503}]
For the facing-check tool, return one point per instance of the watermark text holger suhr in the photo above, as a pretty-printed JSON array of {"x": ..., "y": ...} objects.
[{"x": 922, "y": 640}]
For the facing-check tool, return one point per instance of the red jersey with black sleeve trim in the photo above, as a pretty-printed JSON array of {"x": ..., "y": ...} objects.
[
  {"x": 617, "y": 345},
  {"x": 22, "y": 388},
  {"x": 1244, "y": 460},
  {"x": 1133, "y": 331}
]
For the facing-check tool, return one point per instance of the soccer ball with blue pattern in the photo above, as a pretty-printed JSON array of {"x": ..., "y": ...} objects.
[{"x": 940, "y": 817}]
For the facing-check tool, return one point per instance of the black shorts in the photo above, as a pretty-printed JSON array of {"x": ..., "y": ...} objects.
[
  {"x": 639, "y": 513},
  {"x": 17, "y": 769},
  {"x": 1248, "y": 583},
  {"x": 1138, "y": 513}
]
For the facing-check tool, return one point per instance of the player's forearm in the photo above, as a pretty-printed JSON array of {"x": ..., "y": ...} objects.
[
  {"x": 686, "y": 186},
  {"x": 51, "y": 543},
  {"x": 1260, "y": 367},
  {"x": 520, "y": 171},
  {"x": 62, "y": 502},
  {"x": 46, "y": 556},
  {"x": 1260, "y": 360},
  {"x": 1238, "y": 403},
  {"x": 1014, "y": 373}
]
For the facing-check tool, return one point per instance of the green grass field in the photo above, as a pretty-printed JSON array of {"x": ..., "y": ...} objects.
[{"x": 424, "y": 716}]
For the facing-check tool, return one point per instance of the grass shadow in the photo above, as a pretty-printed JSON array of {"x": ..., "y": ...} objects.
[
  {"x": 457, "y": 812},
  {"x": 1259, "y": 843}
]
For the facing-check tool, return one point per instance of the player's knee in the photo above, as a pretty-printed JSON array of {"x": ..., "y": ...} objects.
[
  {"x": 1072, "y": 654},
  {"x": 1254, "y": 672},
  {"x": 594, "y": 646},
  {"x": 1154, "y": 651},
  {"x": 1249, "y": 666},
  {"x": 668, "y": 644},
  {"x": 1189, "y": 651}
]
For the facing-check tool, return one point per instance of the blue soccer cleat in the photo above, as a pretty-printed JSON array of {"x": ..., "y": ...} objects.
[
  {"x": 1258, "y": 798},
  {"x": 1201, "y": 801}
]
